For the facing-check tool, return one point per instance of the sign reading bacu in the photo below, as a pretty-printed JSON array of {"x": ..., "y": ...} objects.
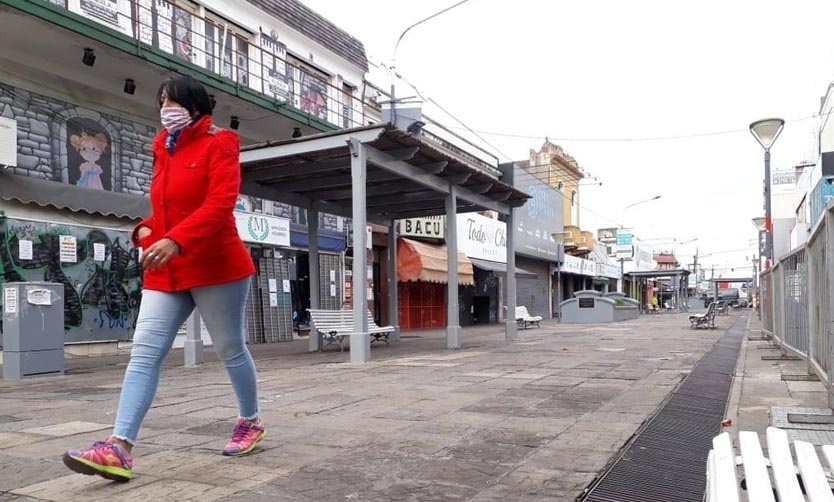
[{"x": 431, "y": 227}]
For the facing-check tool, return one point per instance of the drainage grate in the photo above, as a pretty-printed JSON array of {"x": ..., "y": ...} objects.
[{"x": 667, "y": 459}]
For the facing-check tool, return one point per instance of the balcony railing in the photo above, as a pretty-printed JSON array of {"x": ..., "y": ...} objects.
[
  {"x": 253, "y": 60},
  {"x": 260, "y": 62}
]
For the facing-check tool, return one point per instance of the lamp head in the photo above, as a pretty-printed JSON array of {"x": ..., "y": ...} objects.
[
  {"x": 89, "y": 57},
  {"x": 766, "y": 131}
]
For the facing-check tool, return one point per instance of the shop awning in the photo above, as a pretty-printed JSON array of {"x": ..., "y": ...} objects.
[
  {"x": 501, "y": 268},
  {"x": 417, "y": 261},
  {"x": 329, "y": 240},
  {"x": 47, "y": 193}
]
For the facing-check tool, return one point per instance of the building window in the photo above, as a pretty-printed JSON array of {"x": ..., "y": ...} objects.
[
  {"x": 227, "y": 51},
  {"x": 312, "y": 89}
]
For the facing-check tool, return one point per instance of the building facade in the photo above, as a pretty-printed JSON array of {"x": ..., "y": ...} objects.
[{"x": 80, "y": 114}]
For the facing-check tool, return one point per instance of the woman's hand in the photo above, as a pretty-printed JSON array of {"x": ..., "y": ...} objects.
[
  {"x": 159, "y": 254},
  {"x": 143, "y": 232}
]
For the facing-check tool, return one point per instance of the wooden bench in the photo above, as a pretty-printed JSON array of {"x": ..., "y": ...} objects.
[
  {"x": 789, "y": 480},
  {"x": 332, "y": 326},
  {"x": 524, "y": 319},
  {"x": 705, "y": 320}
]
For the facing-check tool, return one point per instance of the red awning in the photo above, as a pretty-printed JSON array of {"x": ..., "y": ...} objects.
[{"x": 417, "y": 261}]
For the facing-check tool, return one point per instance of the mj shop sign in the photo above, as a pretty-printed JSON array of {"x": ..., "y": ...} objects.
[{"x": 263, "y": 229}]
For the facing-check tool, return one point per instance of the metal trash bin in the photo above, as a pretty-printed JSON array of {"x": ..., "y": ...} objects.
[{"x": 33, "y": 329}]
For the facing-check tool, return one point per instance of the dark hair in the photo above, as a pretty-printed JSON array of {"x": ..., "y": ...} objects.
[{"x": 188, "y": 93}]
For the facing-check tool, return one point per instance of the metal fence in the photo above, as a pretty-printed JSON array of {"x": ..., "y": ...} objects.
[
  {"x": 790, "y": 312},
  {"x": 766, "y": 302},
  {"x": 797, "y": 309}
]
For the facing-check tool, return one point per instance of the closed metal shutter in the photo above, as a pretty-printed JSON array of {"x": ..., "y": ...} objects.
[{"x": 534, "y": 292}]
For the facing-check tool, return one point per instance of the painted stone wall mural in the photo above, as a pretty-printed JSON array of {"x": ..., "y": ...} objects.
[
  {"x": 98, "y": 268},
  {"x": 88, "y": 162},
  {"x": 61, "y": 141}
]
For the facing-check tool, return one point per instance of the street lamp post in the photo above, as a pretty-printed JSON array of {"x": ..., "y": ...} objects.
[
  {"x": 766, "y": 131},
  {"x": 559, "y": 237},
  {"x": 622, "y": 259},
  {"x": 397, "y": 46}
]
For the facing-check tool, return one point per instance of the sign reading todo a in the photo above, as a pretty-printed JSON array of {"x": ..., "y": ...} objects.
[{"x": 263, "y": 229}]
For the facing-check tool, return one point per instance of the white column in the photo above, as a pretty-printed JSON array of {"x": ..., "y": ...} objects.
[
  {"x": 510, "y": 325},
  {"x": 314, "y": 272},
  {"x": 193, "y": 349},
  {"x": 452, "y": 312},
  {"x": 360, "y": 340},
  {"x": 393, "y": 296}
]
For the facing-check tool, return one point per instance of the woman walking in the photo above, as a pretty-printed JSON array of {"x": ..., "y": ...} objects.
[{"x": 192, "y": 257}]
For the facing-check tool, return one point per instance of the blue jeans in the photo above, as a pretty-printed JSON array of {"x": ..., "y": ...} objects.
[{"x": 160, "y": 316}]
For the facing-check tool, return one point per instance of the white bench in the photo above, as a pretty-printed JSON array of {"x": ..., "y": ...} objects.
[
  {"x": 723, "y": 484},
  {"x": 332, "y": 326},
  {"x": 524, "y": 319},
  {"x": 705, "y": 320}
]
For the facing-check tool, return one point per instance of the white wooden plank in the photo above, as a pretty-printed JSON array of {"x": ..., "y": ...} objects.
[
  {"x": 725, "y": 469},
  {"x": 813, "y": 477},
  {"x": 828, "y": 453},
  {"x": 755, "y": 469},
  {"x": 781, "y": 461},
  {"x": 712, "y": 488}
]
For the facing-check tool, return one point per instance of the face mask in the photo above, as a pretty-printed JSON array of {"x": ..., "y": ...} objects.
[{"x": 174, "y": 118}]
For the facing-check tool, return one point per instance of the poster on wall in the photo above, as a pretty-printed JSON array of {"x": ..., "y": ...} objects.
[
  {"x": 313, "y": 95},
  {"x": 105, "y": 10},
  {"x": 8, "y": 142},
  {"x": 89, "y": 158},
  {"x": 183, "y": 28},
  {"x": 276, "y": 71},
  {"x": 69, "y": 249}
]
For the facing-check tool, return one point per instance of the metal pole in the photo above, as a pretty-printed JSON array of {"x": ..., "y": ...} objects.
[
  {"x": 559, "y": 289},
  {"x": 768, "y": 221},
  {"x": 360, "y": 340},
  {"x": 393, "y": 293},
  {"x": 314, "y": 339},
  {"x": 622, "y": 275},
  {"x": 452, "y": 306},
  {"x": 511, "y": 327}
]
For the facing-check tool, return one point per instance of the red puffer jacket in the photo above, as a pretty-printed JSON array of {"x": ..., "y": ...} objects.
[{"x": 193, "y": 195}]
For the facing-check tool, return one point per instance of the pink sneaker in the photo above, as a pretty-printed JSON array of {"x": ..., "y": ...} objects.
[
  {"x": 247, "y": 434},
  {"x": 104, "y": 458}
]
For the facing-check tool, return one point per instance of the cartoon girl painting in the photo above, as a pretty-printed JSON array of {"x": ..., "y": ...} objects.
[{"x": 91, "y": 148}]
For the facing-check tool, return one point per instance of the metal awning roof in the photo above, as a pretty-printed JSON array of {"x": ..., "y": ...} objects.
[
  {"x": 659, "y": 273},
  {"x": 501, "y": 268},
  {"x": 406, "y": 176},
  {"x": 30, "y": 190}
]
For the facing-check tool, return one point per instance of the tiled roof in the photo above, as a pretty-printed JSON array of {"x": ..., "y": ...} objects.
[
  {"x": 313, "y": 25},
  {"x": 665, "y": 258}
]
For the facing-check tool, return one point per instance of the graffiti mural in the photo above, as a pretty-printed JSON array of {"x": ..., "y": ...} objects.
[{"x": 101, "y": 275}]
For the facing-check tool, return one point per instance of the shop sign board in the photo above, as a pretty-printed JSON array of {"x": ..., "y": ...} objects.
[{"x": 263, "y": 229}]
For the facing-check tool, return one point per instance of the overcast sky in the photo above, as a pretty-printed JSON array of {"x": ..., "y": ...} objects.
[{"x": 604, "y": 70}]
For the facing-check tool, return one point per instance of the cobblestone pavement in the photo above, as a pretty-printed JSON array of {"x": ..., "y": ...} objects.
[{"x": 531, "y": 420}]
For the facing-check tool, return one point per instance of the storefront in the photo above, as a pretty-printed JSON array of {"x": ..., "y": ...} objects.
[
  {"x": 269, "y": 312},
  {"x": 577, "y": 274},
  {"x": 537, "y": 225},
  {"x": 422, "y": 274},
  {"x": 607, "y": 277}
]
